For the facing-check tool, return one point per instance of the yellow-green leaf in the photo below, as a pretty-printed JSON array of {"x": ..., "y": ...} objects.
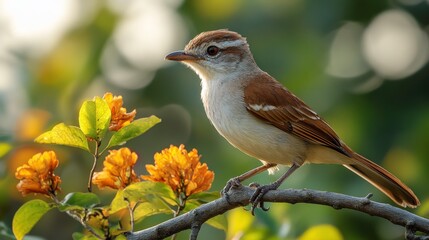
[
  {"x": 146, "y": 190},
  {"x": 134, "y": 129},
  {"x": 120, "y": 222},
  {"x": 27, "y": 216},
  {"x": 64, "y": 135},
  {"x": 218, "y": 222},
  {"x": 118, "y": 202},
  {"x": 152, "y": 198},
  {"x": 239, "y": 221},
  {"x": 79, "y": 200},
  {"x": 205, "y": 197},
  {"x": 322, "y": 232},
  {"x": 81, "y": 236},
  {"x": 94, "y": 118},
  {"x": 147, "y": 209}
]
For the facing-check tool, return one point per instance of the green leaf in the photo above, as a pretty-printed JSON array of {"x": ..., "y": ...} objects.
[
  {"x": 118, "y": 202},
  {"x": 134, "y": 129},
  {"x": 145, "y": 191},
  {"x": 27, "y": 216},
  {"x": 198, "y": 199},
  {"x": 147, "y": 188},
  {"x": 218, "y": 222},
  {"x": 94, "y": 118},
  {"x": 81, "y": 236},
  {"x": 147, "y": 209},
  {"x": 205, "y": 197},
  {"x": 64, "y": 135},
  {"x": 120, "y": 222},
  {"x": 152, "y": 198},
  {"x": 79, "y": 200},
  {"x": 120, "y": 237}
]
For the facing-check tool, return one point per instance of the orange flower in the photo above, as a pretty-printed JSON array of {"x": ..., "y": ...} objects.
[
  {"x": 37, "y": 176},
  {"x": 181, "y": 170},
  {"x": 120, "y": 118},
  {"x": 118, "y": 170}
]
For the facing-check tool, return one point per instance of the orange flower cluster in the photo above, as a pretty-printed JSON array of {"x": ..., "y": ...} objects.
[
  {"x": 181, "y": 170},
  {"x": 118, "y": 170},
  {"x": 120, "y": 118},
  {"x": 37, "y": 176}
]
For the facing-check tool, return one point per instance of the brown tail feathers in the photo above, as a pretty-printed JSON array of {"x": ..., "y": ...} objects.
[{"x": 384, "y": 181}]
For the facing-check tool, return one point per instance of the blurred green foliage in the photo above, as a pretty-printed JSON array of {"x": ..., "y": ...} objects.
[{"x": 383, "y": 113}]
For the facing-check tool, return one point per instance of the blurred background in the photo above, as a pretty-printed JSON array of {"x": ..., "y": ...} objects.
[{"x": 361, "y": 64}]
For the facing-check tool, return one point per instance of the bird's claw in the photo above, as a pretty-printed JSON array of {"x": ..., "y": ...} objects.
[
  {"x": 232, "y": 183},
  {"x": 256, "y": 199}
]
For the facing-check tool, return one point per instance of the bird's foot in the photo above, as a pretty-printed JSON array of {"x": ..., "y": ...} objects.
[
  {"x": 260, "y": 191},
  {"x": 232, "y": 183}
]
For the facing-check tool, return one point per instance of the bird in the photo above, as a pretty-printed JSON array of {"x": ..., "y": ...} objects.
[{"x": 259, "y": 116}]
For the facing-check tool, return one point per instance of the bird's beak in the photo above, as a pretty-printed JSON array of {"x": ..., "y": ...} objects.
[{"x": 182, "y": 56}]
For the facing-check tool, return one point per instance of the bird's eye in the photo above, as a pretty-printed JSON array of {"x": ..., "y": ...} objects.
[{"x": 212, "y": 50}]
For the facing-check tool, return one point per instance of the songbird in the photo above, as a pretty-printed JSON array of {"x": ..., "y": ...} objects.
[{"x": 262, "y": 118}]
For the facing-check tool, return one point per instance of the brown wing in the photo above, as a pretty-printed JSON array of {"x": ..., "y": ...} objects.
[{"x": 268, "y": 100}]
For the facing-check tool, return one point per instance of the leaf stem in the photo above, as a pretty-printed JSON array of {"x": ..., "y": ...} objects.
[
  {"x": 131, "y": 210},
  {"x": 75, "y": 216},
  {"x": 96, "y": 156},
  {"x": 180, "y": 207}
]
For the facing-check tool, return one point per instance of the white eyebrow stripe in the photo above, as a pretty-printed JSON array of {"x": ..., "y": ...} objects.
[
  {"x": 234, "y": 43},
  {"x": 258, "y": 107}
]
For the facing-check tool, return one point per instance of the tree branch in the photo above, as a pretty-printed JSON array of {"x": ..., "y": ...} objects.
[{"x": 240, "y": 196}]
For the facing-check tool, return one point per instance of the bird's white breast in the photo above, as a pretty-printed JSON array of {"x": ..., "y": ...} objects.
[{"x": 224, "y": 105}]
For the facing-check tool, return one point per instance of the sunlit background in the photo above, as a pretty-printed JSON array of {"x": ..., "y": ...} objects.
[{"x": 363, "y": 65}]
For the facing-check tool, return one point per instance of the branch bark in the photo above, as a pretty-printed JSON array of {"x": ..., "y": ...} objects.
[{"x": 240, "y": 196}]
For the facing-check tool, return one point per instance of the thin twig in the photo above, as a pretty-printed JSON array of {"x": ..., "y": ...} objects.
[
  {"x": 131, "y": 210},
  {"x": 180, "y": 207},
  {"x": 76, "y": 216},
  {"x": 96, "y": 156},
  {"x": 195, "y": 229}
]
